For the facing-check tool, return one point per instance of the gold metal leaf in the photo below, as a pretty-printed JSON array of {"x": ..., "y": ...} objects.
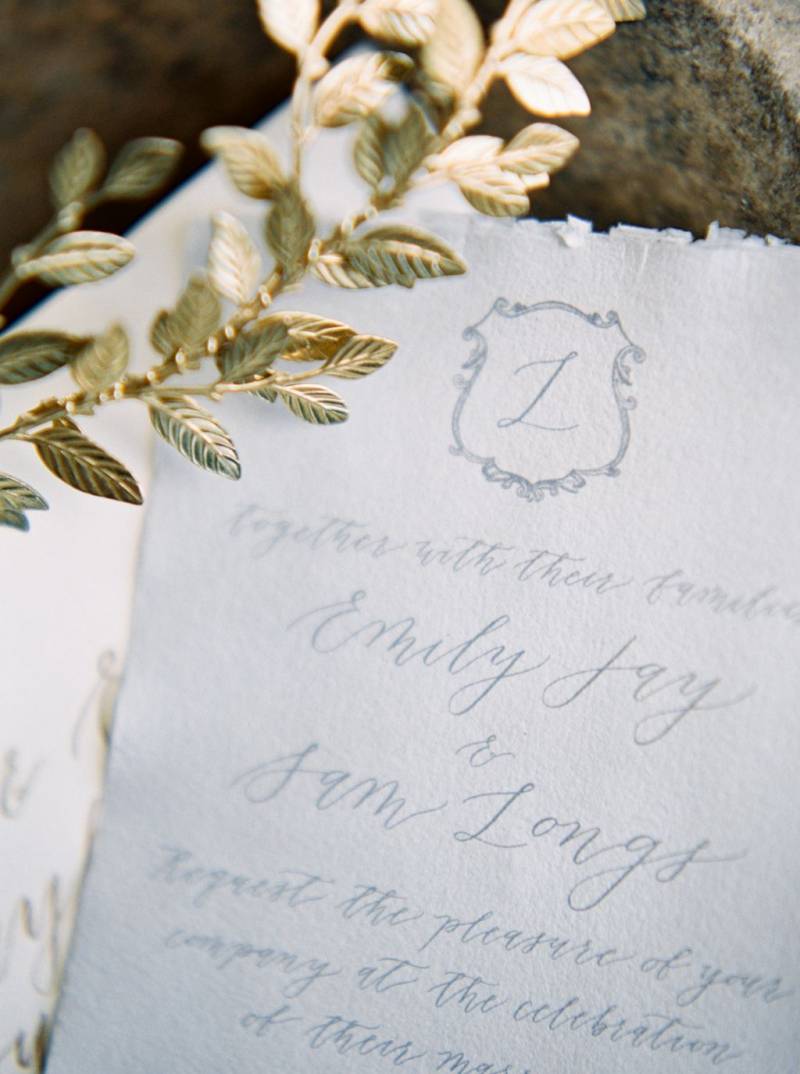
[
  {"x": 315, "y": 338},
  {"x": 252, "y": 349},
  {"x": 494, "y": 179},
  {"x": 395, "y": 150},
  {"x": 141, "y": 168},
  {"x": 532, "y": 180},
  {"x": 495, "y": 192},
  {"x": 27, "y": 356},
  {"x": 270, "y": 394},
  {"x": 545, "y": 85},
  {"x": 625, "y": 10},
  {"x": 334, "y": 269},
  {"x": 314, "y": 403},
  {"x": 20, "y": 495},
  {"x": 160, "y": 336},
  {"x": 252, "y": 353},
  {"x": 400, "y": 22},
  {"x": 357, "y": 86},
  {"x": 359, "y": 356},
  {"x": 15, "y": 499},
  {"x": 289, "y": 230},
  {"x": 561, "y": 28},
  {"x": 103, "y": 360},
  {"x": 539, "y": 147},
  {"x": 14, "y": 519},
  {"x": 476, "y": 149},
  {"x": 396, "y": 253},
  {"x": 234, "y": 264},
  {"x": 452, "y": 55},
  {"x": 477, "y": 163},
  {"x": 196, "y": 434},
  {"x": 368, "y": 150},
  {"x": 291, "y": 23},
  {"x": 79, "y": 257},
  {"x": 196, "y": 315},
  {"x": 249, "y": 159},
  {"x": 405, "y": 144},
  {"x": 77, "y": 167},
  {"x": 79, "y": 462}
]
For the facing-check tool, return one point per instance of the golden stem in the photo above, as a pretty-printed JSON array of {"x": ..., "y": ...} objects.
[
  {"x": 466, "y": 115},
  {"x": 141, "y": 385},
  {"x": 65, "y": 220},
  {"x": 274, "y": 378},
  {"x": 374, "y": 206},
  {"x": 311, "y": 61}
]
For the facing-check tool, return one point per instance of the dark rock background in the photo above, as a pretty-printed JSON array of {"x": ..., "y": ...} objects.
[
  {"x": 696, "y": 111},
  {"x": 695, "y": 118}
]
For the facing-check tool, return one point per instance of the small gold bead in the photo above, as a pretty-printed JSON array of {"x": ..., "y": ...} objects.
[
  {"x": 102, "y": 397},
  {"x": 152, "y": 376},
  {"x": 70, "y": 407},
  {"x": 212, "y": 346},
  {"x": 230, "y": 331}
]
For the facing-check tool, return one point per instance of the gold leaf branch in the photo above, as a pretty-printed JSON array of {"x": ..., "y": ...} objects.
[
  {"x": 61, "y": 254},
  {"x": 435, "y": 59}
]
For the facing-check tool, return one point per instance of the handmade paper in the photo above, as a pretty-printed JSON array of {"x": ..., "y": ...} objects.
[{"x": 462, "y": 737}]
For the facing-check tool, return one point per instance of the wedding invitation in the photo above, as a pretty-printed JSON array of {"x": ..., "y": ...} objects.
[{"x": 463, "y": 737}]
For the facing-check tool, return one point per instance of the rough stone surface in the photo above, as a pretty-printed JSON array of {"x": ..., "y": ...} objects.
[
  {"x": 695, "y": 111},
  {"x": 696, "y": 118}
]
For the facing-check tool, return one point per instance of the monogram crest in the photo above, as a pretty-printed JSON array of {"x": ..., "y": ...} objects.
[{"x": 545, "y": 400}]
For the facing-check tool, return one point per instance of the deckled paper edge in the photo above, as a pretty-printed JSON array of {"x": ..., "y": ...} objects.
[{"x": 575, "y": 230}]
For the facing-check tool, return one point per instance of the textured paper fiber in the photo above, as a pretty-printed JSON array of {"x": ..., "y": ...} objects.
[{"x": 462, "y": 738}]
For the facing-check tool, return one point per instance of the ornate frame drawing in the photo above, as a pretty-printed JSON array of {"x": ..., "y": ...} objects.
[{"x": 621, "y": 381}]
